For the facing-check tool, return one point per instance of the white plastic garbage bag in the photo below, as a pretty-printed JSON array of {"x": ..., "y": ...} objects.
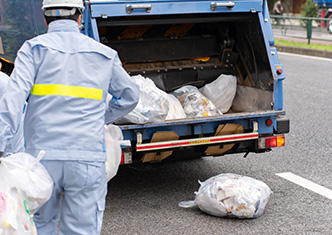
[
  {"x": 15, "y": 217},
  {"x": 152, "y": 106},
  {"x": 25, "y": 186},
  {"x": 175, "y": 108},
  {"x": 113, "y": 142},
  {"x": 31, "y": 178},
  {"x": 221, "y": 91},
  {"x": 231, "y": 195},
  {"x": 194, "y": 103}
]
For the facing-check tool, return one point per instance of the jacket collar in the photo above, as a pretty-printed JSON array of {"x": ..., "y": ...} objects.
[{"x": 63, "y": 26}]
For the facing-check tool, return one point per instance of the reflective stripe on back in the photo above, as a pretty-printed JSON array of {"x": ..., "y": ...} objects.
[{"x": 73, "y": 91}]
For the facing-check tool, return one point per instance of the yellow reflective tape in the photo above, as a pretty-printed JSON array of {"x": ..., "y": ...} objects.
[
  {"x": 73, "y": 91},
  {"x": 5, "y": 60},
  {"x": 199, "y": 142}
]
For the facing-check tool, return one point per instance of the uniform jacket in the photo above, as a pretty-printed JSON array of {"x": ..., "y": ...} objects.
[{"x": 65, "y": 76}]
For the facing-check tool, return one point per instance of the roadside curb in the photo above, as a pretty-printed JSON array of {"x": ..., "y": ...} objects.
[{"x": 304, "y": 51}]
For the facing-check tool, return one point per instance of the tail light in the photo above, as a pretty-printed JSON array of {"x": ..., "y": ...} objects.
[
  {"x": 122, "y": 158},
  {"x": 271, "y": 142}
]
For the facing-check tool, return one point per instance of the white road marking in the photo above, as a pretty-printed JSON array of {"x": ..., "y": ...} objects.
[
  {"x": 306, "y": 184},
  {"x": 308, "y": 56}
]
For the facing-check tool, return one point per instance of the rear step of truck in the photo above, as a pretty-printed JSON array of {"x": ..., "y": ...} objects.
[
  {"x": 203, "y": 120},
  {"x": 195, "y": 134}
]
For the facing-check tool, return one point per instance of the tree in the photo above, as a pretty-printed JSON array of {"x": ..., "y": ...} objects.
[
  {"x": 309, "y": 9},
  {"x": 18, "y": 15}
]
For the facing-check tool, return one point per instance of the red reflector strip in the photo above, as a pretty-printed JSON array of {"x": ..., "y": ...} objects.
[{"x": 198, "y": 141}]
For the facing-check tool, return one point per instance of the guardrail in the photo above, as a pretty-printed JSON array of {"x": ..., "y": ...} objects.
[{"x": 306, "y": 25}]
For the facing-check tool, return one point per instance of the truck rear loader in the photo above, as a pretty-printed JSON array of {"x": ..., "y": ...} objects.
[{"x": 164, "y": 41}]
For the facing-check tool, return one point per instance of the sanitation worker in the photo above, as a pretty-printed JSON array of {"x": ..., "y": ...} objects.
[
  {"x": 66, "y": 76},
  {"x": 16, "y": 143}
]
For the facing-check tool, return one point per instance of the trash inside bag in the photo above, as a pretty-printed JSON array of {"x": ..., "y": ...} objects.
[
  {"x": 175, "y": 108},
  {"x": 231, "y": 195},
  {"x": 30, "y": 177},
  {"x": 113, "y": 142},
  {"x": 194, "y": 103},
  {"x": 15, "y": 215},
  {"x": 221, "y": 91},
  {"x": 152, "y": 106}
]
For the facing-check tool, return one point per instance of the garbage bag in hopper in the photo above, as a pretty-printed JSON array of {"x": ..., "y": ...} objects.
[
  {"x": 152, "y": 106},
  {"x": 231, "y": 195},
  {"x": 175, "y": 108},
  {"x": 194, "y": 103},
  {"x": 221, "y": 91},
  {"x": 113, "y": 142},
  {"x": 31, "y": 177}
]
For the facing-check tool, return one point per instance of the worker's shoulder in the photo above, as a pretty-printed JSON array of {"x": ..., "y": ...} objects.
[
  {"x": 99, "y": 47},
  {"x": 72, "y": 43}
]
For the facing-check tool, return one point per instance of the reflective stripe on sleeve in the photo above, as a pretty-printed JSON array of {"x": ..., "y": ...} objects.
[{"x": 73, "y": 91}]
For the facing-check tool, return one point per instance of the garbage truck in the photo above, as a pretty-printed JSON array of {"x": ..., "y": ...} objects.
[
  {"x": 177, "y": 43},
  {"x": 324, "y": 8}
]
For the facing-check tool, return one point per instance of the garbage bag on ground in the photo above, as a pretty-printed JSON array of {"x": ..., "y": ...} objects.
[
  {"x": 194, "y": 103},
  {"x": 113, "y": 142},
  {"x": 221, "y": 91},
  {"x": 152, "y": 106},
  {"x": 31, "y": 177},
  {"x": 231, "y": 195},
  {"x": 175, "y": 108}
]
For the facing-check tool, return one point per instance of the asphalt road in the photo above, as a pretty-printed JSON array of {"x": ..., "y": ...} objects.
[{"x": 144, "y": 200}]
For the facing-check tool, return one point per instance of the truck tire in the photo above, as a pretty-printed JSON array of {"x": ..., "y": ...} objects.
[
  {"x": 329, "y": 27},
  {"x": 329, "y": 22}
]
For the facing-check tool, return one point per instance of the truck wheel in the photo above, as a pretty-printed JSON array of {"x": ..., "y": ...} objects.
[
  {"x": 329, "y": 23},
  {"x": 329, "y": 27}
]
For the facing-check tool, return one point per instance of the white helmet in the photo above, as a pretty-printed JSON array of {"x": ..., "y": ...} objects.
[{"x": 63, "y": 3}]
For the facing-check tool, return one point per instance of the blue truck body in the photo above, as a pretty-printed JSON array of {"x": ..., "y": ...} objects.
[
  {"x": 323, "y": 3},
  {"x": 324, "y": 8},
  {"x": 239, "y": 29}
]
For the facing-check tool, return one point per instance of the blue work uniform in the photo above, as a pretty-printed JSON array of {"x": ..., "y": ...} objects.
[
  {"x": 66, "y": 76},
  {"x": 16, "y": 143}
]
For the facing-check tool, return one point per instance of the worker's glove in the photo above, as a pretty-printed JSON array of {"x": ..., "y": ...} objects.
[{"x": 1, "y": 154}]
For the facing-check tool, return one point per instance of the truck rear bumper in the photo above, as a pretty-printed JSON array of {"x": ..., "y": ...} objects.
[
  {"x": 196, "y": 141},
  {"x": 199, "y": 136}
]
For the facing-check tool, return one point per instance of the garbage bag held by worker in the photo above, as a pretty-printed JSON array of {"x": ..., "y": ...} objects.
[
  {"x": 31, "y": 178},
  {"x": 194, "y": 103},
  {"x": 221, "y": 91},
  {"x": 113, "y": 142},
  {"x": 231, "y": 195},
  {"x": 152, "y": 106},
  {"x": 15, "y": 216}
]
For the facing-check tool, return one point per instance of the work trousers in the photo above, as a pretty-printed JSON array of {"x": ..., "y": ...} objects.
[{"x": 83, "y": 186}]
